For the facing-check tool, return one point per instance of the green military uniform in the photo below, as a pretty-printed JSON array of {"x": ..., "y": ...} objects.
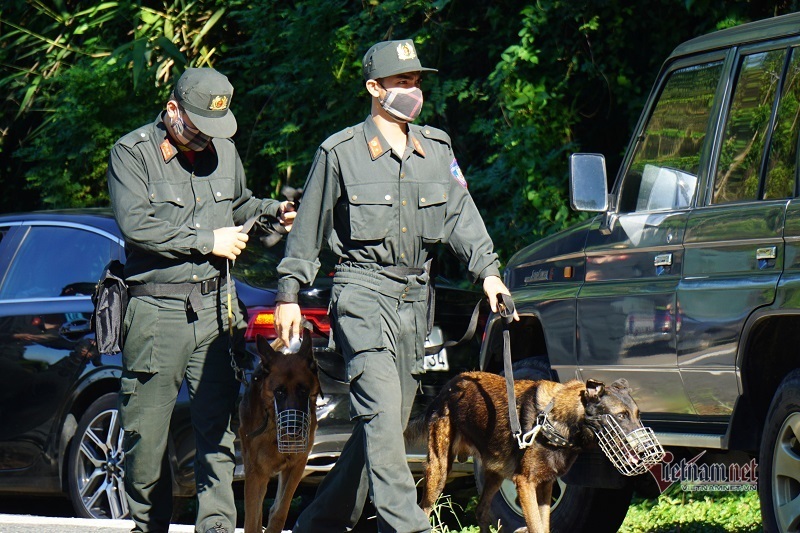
[
  {"x": 380, "y": 212},
  {"x": 167, "y": 208}
]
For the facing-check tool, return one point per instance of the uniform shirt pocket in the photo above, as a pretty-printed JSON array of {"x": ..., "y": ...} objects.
[
  {"x": 161, "y": 192},
  {"x": 432, "y": 205},
  {"x": 371, "y": 211},
  {"x": 222, "y": 189}
]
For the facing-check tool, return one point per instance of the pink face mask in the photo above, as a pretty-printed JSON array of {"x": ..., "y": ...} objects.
[{"x": 402, "y": 104}]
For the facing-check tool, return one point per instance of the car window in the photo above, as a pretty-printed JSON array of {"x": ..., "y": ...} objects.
[
  {"x": 56, "y": 261},
  {"x": 257, "y": 265},
  {"x": 783, "y": 146},
  {"x": 664, "y": 167},
  {"x": 747, "y": 127}
]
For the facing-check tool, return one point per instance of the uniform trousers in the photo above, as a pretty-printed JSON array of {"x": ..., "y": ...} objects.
[
  {"x": 165, "y": 343},
  {"x": 380, "y": 325}
]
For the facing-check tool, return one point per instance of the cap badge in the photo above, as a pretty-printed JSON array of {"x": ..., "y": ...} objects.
[
  {"x": 405, "y": 51},
  {"x": 218, "y": 103}
]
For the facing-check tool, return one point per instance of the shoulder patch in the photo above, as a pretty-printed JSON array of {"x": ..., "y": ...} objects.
[
  {"x": 455, "y": 170},
  {"x": 429, "y": 132},
  {"x": 338, "y": 138},
  {"x": 134, "y": 137}
]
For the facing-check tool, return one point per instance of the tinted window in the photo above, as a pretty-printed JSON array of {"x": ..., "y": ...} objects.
[
  {"x": 54, "y": 261},
  {"x": 742, "y": 148},
  {"x": 258, "y": 263},
  {"x": 783, "y": 146},
  {"x": 664, "y": 168}
]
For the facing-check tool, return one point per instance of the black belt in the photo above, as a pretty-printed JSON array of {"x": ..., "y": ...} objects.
[{"x": 178, "y": 289}]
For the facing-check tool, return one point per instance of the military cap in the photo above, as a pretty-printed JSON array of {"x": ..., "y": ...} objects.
[
  {"x": 388, "y": 58},
  {"x": 205, "y": 95}
]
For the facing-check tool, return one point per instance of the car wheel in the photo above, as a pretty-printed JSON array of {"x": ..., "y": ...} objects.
[
  {"x": 573, "y": 508},
  {"x": 96, "y": 463},
  {"x": 779, "y": 457}
]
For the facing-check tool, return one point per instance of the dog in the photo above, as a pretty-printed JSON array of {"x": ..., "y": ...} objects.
[
  {"x": 290, "y": 384},
  {"x": 470, "y": 417}
]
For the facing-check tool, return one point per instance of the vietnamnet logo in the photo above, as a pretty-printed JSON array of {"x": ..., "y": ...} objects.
[{"x": 704, "y": 477}]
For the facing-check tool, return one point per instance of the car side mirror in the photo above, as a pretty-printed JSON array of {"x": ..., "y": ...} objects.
[{"x": 588, "y": 190}]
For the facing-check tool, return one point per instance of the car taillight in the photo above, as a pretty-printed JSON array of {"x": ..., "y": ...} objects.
[{"x": 262, "y": 322}]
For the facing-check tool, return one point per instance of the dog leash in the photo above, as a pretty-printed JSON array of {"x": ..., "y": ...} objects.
[{"x": 506, "y": 309}]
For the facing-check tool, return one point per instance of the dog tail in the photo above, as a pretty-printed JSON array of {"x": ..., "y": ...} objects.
[{"x": 417, "y": 430}]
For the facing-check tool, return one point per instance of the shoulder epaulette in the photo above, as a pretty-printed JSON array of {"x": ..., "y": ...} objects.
[
  {"x": 429, "y": 132},
  {"x": 134, "y": 137},
  {"x": 338, "y": 138}
]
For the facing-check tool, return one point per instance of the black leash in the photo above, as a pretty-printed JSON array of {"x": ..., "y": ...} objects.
[{"x": 505, "y": 307}]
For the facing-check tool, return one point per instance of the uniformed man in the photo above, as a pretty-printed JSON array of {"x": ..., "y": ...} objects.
[
  {"x": 380, "y": 194},
  {"x": 178, "y": 191}
]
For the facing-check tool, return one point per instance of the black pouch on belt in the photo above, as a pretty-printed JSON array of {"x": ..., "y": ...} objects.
[{"x": 110, "y": 301}]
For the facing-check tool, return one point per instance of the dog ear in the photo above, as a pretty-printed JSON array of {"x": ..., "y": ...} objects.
[
  {"x": 594, "y": 390},
  {"x": 621, "y": 385},
  {"x": 265, "y": 351},
  {"x": 307, "y": 349}
]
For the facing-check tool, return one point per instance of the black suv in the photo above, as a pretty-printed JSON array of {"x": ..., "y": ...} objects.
[{"x": 687, "y": 280}]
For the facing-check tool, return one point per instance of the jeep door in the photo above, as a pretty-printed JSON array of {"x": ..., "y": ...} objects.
[
  {"x": 626, "y": 310},
  {"x": 734, "y": 239}
]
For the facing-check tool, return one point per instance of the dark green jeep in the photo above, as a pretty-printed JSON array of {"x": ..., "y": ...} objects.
[{"x": 686, "y": 282}]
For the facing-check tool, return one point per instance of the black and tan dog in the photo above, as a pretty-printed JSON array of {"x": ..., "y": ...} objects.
[
  {"x": 470, "y": 417},
  {"x": 285, "y": 382}
]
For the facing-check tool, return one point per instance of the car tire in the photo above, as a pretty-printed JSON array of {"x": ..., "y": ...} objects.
[
  {"x": 95, "y": 468},
  {"x": 780, "y": 445},
  {"x": 574, "y": 508}
]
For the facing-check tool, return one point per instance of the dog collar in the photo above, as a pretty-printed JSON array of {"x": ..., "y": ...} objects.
[{"x": 547, "y": 430}]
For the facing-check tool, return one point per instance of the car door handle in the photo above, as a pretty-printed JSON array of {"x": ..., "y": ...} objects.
[
  {"x": 770, "y": 252},
  {"x": 662, "y": 260}
]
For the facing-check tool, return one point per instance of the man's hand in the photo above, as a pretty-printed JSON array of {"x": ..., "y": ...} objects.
[
  {"x": 286, "y": 214},
  {"x": 492, "y": 285},
  {"x": 287, "y": 321},
  {"x": 229, "y": 242}
]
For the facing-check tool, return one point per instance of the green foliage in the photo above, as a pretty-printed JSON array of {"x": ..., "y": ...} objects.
[
  {"x": 695, "y": 512},
  {"x": 521, "y": 85},
  {"x": 68, "y": 156}
]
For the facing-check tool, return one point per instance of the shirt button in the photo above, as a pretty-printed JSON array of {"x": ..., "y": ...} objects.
[
  {"x": 387, "y": 197},
  {"x": 194, "y": 276},
  {"x": 142, "y": 135},
  {"x": 219, "y": 194},
  {"x": 152, "y": 195},
  {"x": 355, "y": 197},
  {"x": 402, "y": 175},
  {"x": 197, "y": 225},
  {"x": 422, "y": 200},
  {"x": 402, "y": 255},
  {"x": 403, "y": 296},
  {"x": 198, "y": 199},
  {"x": 403, "y": 202},
  {"x": 444, "y": 196},
  {"x": 178, "y": 199},
  {"x": 404, "y": 230}
]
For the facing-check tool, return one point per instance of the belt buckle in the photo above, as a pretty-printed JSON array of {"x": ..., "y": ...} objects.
[{"x": 208, "y": 285}]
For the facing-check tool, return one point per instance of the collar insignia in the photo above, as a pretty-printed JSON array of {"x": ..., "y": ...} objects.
[
  {"x": 218, "y": 103},
  {"x": 405, "y": 51},
  {"x": 375, "y": 147},
  {"x": 167, "y": 150},
  {"x": 418, "y": 146}
]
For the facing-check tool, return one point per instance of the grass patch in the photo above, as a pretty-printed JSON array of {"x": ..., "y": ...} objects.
[
  {"x": 678, "y": 511},
  {"x": 675, "y": 511}
]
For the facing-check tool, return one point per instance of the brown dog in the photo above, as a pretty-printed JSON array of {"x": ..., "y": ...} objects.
[
  {"x": 289, "y": 383},
  {"x": 470, "y": 417}
]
